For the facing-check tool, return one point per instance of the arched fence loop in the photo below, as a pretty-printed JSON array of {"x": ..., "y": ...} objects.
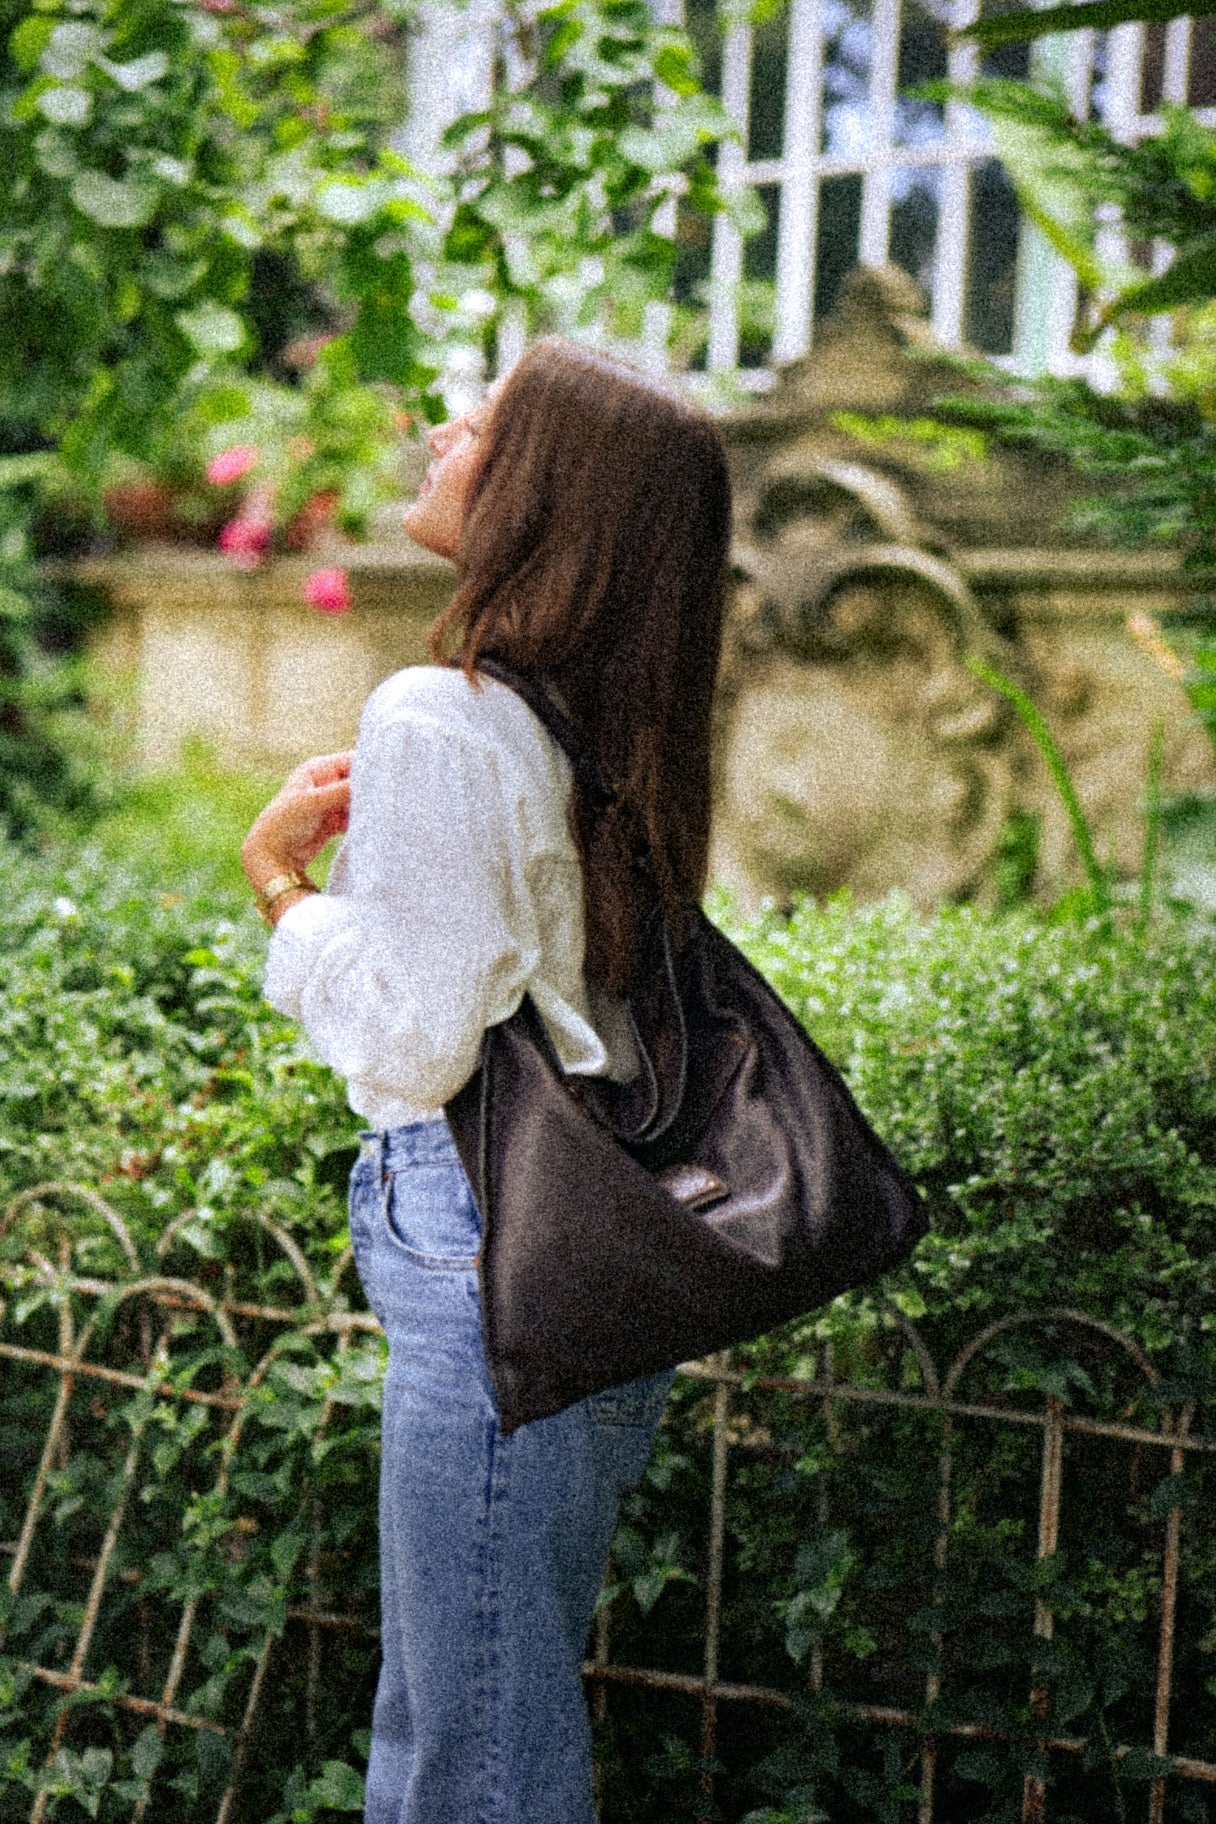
[{"x": 122, "y": 1367}]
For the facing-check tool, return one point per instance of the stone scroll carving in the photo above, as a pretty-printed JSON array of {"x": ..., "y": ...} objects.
[{"x": 855, "y": 748}]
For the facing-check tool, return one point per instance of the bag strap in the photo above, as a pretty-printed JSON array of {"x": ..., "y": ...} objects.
[
  {"x": 598, "y": 791},
  {"x": 595, "y": 787},
  {"x": 645, "y": 1108}
]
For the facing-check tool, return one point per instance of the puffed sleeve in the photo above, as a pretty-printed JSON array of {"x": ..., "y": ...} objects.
[{"x": 431, "y": 934}]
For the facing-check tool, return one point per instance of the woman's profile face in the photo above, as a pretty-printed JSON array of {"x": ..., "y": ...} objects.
[{"x": 436, "y": 519}]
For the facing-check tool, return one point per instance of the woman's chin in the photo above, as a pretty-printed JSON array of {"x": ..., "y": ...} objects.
[{"x": 418, "y": 524}]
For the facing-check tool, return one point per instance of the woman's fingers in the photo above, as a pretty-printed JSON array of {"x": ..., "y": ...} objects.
[
  {"x": 295, "y": 827},
  {"x": 335, "y": 805},
  {"x": 322, "y": 769}
]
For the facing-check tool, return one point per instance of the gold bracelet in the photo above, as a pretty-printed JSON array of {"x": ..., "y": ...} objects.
[{"x": 274, "y": 889}]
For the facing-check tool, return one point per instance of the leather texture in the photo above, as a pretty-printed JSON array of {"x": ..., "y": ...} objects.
[{"x": 732, "y": 1185}]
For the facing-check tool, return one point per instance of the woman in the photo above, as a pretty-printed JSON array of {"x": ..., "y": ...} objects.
[{"x": 587, "y": 509}]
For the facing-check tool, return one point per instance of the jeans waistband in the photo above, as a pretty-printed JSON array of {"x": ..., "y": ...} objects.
[{"x": 417, "y": 1143}]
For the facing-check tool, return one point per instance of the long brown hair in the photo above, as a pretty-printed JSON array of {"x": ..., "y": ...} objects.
[{"x": 593, "y": 557}]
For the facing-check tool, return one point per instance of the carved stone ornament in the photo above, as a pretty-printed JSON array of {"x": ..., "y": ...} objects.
[{"x": 854, "y": 748}]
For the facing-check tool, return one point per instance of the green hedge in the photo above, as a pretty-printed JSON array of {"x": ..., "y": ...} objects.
[{"x": 1050, "y": 1086}]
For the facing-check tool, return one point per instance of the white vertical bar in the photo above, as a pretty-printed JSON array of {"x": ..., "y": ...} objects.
[
  {"x": 950, "y": 263},
  {"x": 1175, "y": 77},
  {"x": 726, "y": 256},
  {"x": 798, "y": 219},
  {"x": 875, "y": 237},
  {"x": 1079, "y": 71},
  {"x": 512, "y": 338},
  {"x": 950, "y": 259},
  {"x": 1175, "y": 80},
  {"x": 449, "y": 73},
  {"x": 1124, "y": 59},
  {"x": 1045, "y": 308},
  {"x": 1121, "y": 115},
  {"x": 1077, "y": 61},
  {"x": 656, "y": 318}
]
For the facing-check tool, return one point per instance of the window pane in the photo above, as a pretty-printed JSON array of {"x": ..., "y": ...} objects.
[
  {"x": 836, "y": 254},
  {"x": 847, "y": 54},
  {"x": 992, "y": 261},
  {"x": 914, "y": 203},
  {"x": 701, "y": 23},
  {"x": 1201, "y": 89},
  {"x": 922, "y": 58},
  {"x": 757, "y": 293},
  {"x": 1152, "y": 69},
  {"x": 1012, "y": 60},
  {"x": 766, "y": 126}
]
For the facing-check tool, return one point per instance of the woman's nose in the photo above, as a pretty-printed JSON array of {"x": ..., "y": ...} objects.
[{"x": 439, "y": 437}]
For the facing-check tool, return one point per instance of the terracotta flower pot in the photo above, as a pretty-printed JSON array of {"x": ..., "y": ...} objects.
[
  {"x": 152, "y": 510},
  {"x": 140, "y": 509},
  {"x": 313, "y": 521}
]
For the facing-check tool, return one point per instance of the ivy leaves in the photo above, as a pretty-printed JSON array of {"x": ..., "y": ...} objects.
[
  {"x": 157, "y": 151},
  {"x": 560, "y": 181}
]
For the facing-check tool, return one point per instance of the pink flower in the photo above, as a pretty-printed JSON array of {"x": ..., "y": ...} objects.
[
  {"x": 328, "y": 591},
  {"x": 246, "y": 541},
  {"x": 231, "y": 464}
]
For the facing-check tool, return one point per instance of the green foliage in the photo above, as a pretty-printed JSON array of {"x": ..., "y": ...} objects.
[
  {"x": 1164, "y": 186},
  {"x": 1156, "y": 458},
  {"x": 1022, "y": 24},
  {"x": 1040, "y": 1081},
  {"x": 560, "y": 181},
  {"x": 44, "y": 773},
  {"x": 184, "y": 825},
  {"x": 201, "y": 198},
  {"x": 163, "y": 162},
  {"x": 154, "y": 153},
  {"x": 1098, "y": 900},
  {"x": 946, "y": 447},
  {"x": 1151, "y": 443},
  {"x": 1047, "y": 1086}
]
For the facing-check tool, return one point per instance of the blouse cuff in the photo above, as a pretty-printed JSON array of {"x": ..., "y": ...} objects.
[{"x": 298, "y": 937}]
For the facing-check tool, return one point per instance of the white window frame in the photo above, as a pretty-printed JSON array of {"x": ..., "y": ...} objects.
[
  {"x": 451, "y": 69},
  {"x": 1046, "y": 286}
]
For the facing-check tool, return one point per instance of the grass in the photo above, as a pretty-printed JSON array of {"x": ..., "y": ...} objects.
[{"x": 186, "y": 824}]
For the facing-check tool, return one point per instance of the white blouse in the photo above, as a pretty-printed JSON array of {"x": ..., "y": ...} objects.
[{"x": 456, "y": 890}]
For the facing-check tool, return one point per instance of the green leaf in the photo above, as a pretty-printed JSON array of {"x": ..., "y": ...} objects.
[
  {"x": 140, "y": 73},
  {"x": 112, "y": 204},
  {"x": 1190, "y": 280},
  {"x": 70, "y": 49},
  {"x": 56, "y": 155},
  {"x": 1053, "y": 181},
  {"x": 1091, "y": 15},
  {"x": 339, "y": 1786},
  {"x": 350, "y": 200},
  {"x": 744, "y": 209},
  {"x": 146, "y": 1753},
  {"x": 678, "y": 133},
  {"x": 1142, "y": 1764},
  {"x": 28, "y": 41},
  {"x": 1181, "y": 1490},
  {"x": 64, "y": 105},
  {"x": 212, "y": 328},
  {"x": 1036, "y": 727},
  {"x": 673, "y": 65}
]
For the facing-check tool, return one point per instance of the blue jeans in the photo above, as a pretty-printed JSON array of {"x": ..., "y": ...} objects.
[{"x": 492, "y": 1548}]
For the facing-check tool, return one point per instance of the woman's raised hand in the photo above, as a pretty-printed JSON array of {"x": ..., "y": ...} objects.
[{"x": 311, "y": 806}]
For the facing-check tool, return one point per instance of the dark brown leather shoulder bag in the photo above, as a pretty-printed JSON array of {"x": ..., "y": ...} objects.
[{"x": 733, "y": 1184}]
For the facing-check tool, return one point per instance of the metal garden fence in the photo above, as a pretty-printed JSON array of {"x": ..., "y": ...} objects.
[{"x": 122, "y": 1642}]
